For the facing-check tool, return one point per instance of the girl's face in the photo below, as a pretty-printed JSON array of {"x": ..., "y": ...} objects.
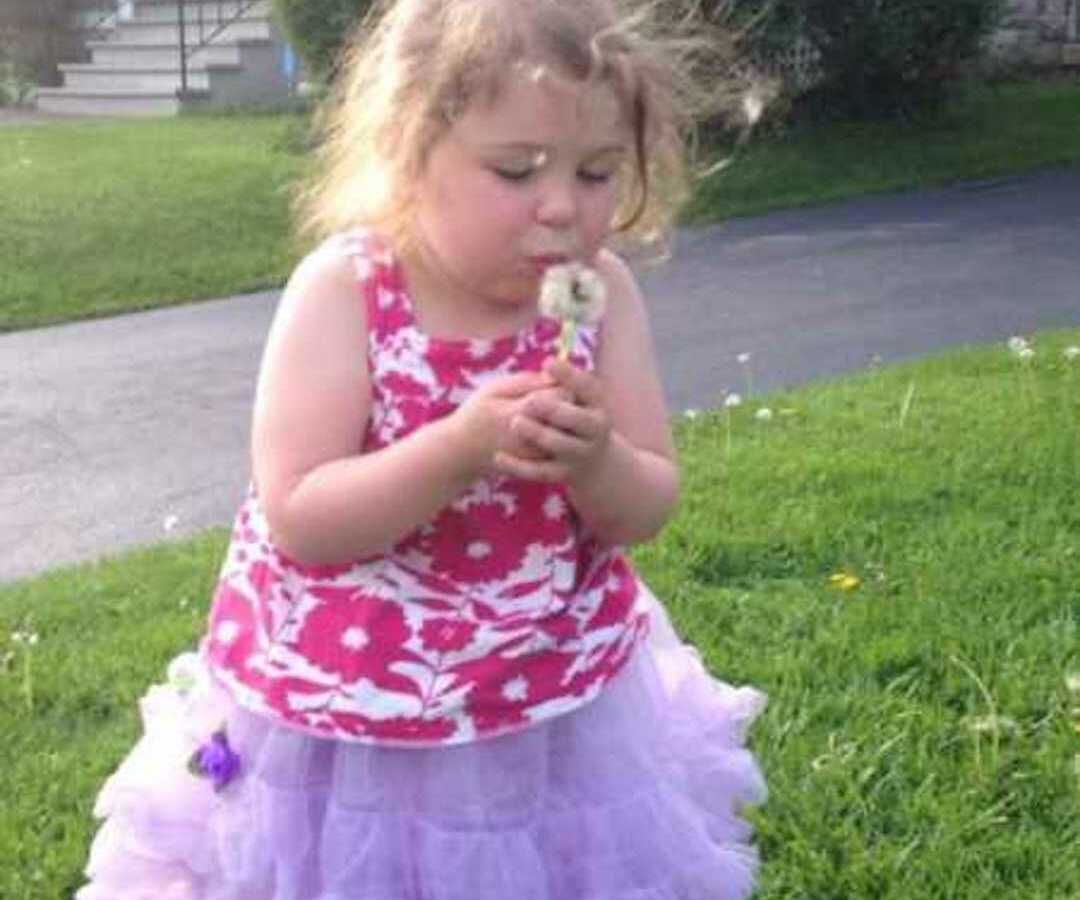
[{"x": 518, "y": 185}]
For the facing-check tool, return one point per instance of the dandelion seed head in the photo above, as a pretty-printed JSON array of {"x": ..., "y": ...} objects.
[
  {"x": 1017, "y": 343},
  {"x": 1071, "y": 352},
  {"x": 572, "y": 292},
  {"x": 993, "y": 725},
  {"x": 743, "y": 358},
  {"x": 1026, "y": 353},
  {"x": 764, "y": 414},
  {"x": 732, "y": 400}
]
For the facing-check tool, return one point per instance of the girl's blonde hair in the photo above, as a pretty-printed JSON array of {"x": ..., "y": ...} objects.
[{"x": 411, "y": 66}]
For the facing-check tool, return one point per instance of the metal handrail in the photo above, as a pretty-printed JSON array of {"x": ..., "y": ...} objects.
[{"x": 206, "y": 28}]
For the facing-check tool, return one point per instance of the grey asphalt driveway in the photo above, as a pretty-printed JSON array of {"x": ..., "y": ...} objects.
[{"x": 134, "y": 430}]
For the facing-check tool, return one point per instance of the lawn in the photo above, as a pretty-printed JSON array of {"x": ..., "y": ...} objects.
[
  {"x": 894, "y": 557},
  {"x": 98, "y": 218}
]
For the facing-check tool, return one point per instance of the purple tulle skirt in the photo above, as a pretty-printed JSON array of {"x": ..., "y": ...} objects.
[{"x": 635, "y": 796}]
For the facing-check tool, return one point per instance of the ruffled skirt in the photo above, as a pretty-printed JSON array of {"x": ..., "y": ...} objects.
[{"x": 636, "y": 796}]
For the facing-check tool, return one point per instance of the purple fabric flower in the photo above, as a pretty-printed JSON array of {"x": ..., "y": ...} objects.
[{"x": 215, "y": 760}]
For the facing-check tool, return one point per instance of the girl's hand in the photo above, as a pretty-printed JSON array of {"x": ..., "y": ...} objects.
[
  {"x": 570, "y": 425},
  {"x": 481, "y": 425}
]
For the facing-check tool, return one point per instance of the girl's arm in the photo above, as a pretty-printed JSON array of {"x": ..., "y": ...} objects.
[
  {"x": 325, "y": 501},
  {"x": 612, "y": 446}
]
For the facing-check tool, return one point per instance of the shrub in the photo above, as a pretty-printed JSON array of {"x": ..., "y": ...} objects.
[
  {"x": 893, "y": 58},
  {"x": 318, "y": 30}
]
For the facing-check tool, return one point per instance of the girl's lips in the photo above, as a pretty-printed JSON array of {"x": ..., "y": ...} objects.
[{"x": 547, "y": 261}]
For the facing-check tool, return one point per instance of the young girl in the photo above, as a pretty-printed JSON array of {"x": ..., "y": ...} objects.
[{"x": 430, "y": 672}]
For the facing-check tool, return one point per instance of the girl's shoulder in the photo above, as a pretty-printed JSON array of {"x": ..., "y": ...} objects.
[{"x": 358, "y": 253}]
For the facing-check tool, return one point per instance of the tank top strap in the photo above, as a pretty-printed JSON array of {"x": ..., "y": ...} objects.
[{"x": 378, "y": 277}]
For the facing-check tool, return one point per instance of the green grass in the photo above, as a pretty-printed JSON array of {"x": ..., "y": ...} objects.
[
  {"x": 98, "y": 218},
  {"x": 102, "y": 218},
  {"x": 948, "y": 487},
  {"x": 987, "y": 132}
]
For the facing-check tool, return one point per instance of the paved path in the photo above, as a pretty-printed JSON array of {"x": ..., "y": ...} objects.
[{"x": 110, "y": 429}]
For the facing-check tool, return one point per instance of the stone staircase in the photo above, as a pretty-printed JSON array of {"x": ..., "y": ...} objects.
[{"x": 234, "y": 57}]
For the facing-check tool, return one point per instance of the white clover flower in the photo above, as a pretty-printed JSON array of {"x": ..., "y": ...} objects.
[
  {"x": 1017, "y": 343},
  {"x": 1071, "y": 352},
  {"x": 574, "y": 294},
  {"x": 732, "y": 400},
  {"x": 764, "y": 414}
]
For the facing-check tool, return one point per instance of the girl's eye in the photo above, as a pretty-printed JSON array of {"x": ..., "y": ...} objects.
[
  {"x": 512, "y": 174},
  {"x": 598, "y": 177}
]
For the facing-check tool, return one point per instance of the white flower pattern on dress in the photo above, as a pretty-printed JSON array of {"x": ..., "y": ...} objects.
[{"x": 498, "y": 613}]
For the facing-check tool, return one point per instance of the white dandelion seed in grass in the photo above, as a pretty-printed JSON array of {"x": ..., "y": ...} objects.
[
  {"x": 1071, "y": 352},
  {"x": 764, "y": 414},
  {"x": 1026, "y": 354},
  {"x": 170, "y": 523},
  {"x": 743, "y": 358},
  {"x": 691, "y": 413},
  {"x": 575, "y": 295},
  {"x": 732, "y": 400},
  {"x": 993, "y": 725},
  {"x": 1017, "y": 343}
]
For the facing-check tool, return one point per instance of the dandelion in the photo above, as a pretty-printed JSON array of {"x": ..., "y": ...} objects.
[
  {"x": 1072, "y": 682},
  {"x": 574, "y": 294},
  {"x": 1071, "y": 352},
  {"x": 732, "y": 400},
  {"x": 170, "y": 523},
  {"x": 1026, "y": 353},
  {"x": 27, "y": 640},
  {"x": 993, "y": 724},
  {"x": 764, "y": 414},
  {"x": 691, "y": 414},
  {"x": 844, "y": 581},
  {"x": 1017, "y": 343},
  {"x": 744, "y": 361}
]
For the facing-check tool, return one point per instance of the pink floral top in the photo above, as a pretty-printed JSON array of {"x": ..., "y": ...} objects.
[{"x": 499, "y": 613}]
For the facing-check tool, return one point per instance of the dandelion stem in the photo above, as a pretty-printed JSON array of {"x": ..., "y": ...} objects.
[
  {"x": 28, "y": 682},
  {"x": 905, "y": 407},
  {"x": 566, "y": 339}
]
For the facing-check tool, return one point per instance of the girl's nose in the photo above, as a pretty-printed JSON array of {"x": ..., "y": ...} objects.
[{"x": 557, "y": 204}]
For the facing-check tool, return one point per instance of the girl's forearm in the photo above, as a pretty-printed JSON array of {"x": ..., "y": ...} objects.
[
  {"x": 362, "y": 505},
  {"x": 629, "y": 495}
]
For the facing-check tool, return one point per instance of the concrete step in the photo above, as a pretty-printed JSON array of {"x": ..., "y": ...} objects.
[
  {"x": 248, "y": 28},
  {"x": 168, "y": 10},
  {"x": 1070, "y": 54},
  {"x": 159, "y": 56},
  {"x": 82, "y": 77},
  {"x": 65, "y": 102}
]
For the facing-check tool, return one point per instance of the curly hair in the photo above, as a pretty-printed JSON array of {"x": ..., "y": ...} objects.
[{"x": 411, "y": 66}]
